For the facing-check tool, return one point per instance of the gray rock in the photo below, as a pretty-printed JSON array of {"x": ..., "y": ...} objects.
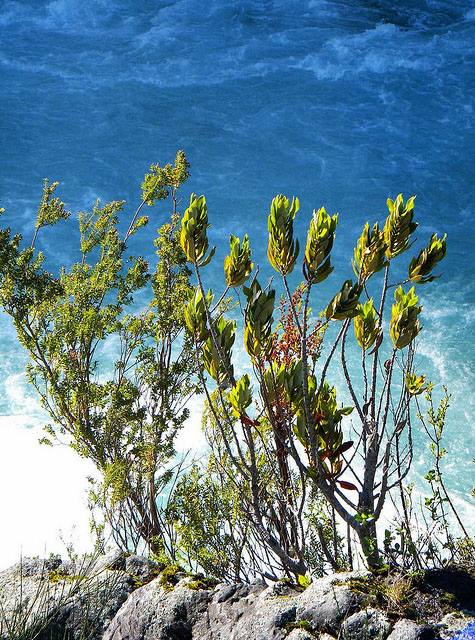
[
  {"x": 226, "y": 592},
  {"x": 369, "y": 624},
  {"x": 155, "y": 613},
  {"x": 115, "y": 560},
  {"x": 35, "y": 567},
  {"x": 410, "y": 630},
  {"x": 59, "y": 600},
  {"x": 251, "y": 612},
  {"x": 258, "y": 613},
  {"x": 141, "y": 567},
  {"x": 235, "y": 592},
  {"x": 99, "y": 599},
  {"x": 83, "y": 598},
  {"x": 300, "y": 634},
  {"x": 328, "y": 601}
]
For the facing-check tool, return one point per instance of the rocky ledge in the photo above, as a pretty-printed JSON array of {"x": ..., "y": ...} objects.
[{"x": 121, "y": 597}]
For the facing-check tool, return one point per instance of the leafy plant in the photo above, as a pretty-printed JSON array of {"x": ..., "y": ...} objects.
[
  {"x": 208, "y": 521},
  {"x": 439, "y": 503},
  {"x": 293, "y": 413},
  {"x": 121, "y": 412}
]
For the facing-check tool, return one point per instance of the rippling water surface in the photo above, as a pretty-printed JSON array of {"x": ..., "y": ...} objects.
[{"x": 341, "y": 102}]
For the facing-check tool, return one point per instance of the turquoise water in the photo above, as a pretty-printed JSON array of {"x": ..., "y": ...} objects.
[{"x": 341, "y": 102}]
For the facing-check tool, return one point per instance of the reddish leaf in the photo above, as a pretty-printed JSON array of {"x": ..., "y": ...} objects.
[
  {"x": 347, "y": 485},
  {"x": 248, "y": 422},
  {"x": 344, "y": 447}
]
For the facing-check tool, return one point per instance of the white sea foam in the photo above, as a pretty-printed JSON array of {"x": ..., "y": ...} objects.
[
  {"x": 21, "y": 397},
  {"x": 38, "y": 510},
  {"x": 42, "y": 513},
  {"x": 191, "y": 438}
]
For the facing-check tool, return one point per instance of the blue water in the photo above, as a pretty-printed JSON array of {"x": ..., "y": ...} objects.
[
  {"x": 466, "y": 634},
  {"x": 342, "y": 102}
]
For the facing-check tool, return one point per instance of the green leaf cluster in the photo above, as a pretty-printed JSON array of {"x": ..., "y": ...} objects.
[
  {"x": 370, "y": 252},
  {"x": 415, "y": 384},
  {"x": 98, "y": 228},
  {"x": 258, "y": 320},
  {"x": 238, "y": 264},
  {"x": 321, "y": 234},
  {"x": 218, "y": 360},
  {"x": 193, "y": 234},
  {"x": 284, "y": 380},
  {"x": 345, "y": 303},
  {"x": 158, "y": 182},
  {"x": 366, "y": 325},
  {"x": 399, "y": 225},
  {"x": 404, "y": 325},
  {"x": 326, "y": 421},
  {"x": 282, "y": 250},
  {"x": 195, "y": 314},
  {"x": 51, "y": 210},
  {"x": 206, "y": 512},
  {"x": 420, "y": 268},
  {"x": 240, "y": 396}
]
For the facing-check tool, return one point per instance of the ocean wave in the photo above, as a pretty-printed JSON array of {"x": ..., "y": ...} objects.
[
  {"x": 385, "y": 49},
  {"x": 67, "y": 16},
  {"x": 16, "y": 64},
  {"x": 184, "y": 43},
  {"x": 21, "y": 397}
]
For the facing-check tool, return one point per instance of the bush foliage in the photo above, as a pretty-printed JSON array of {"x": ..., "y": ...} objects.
[{"x": 295, "y": 481}]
